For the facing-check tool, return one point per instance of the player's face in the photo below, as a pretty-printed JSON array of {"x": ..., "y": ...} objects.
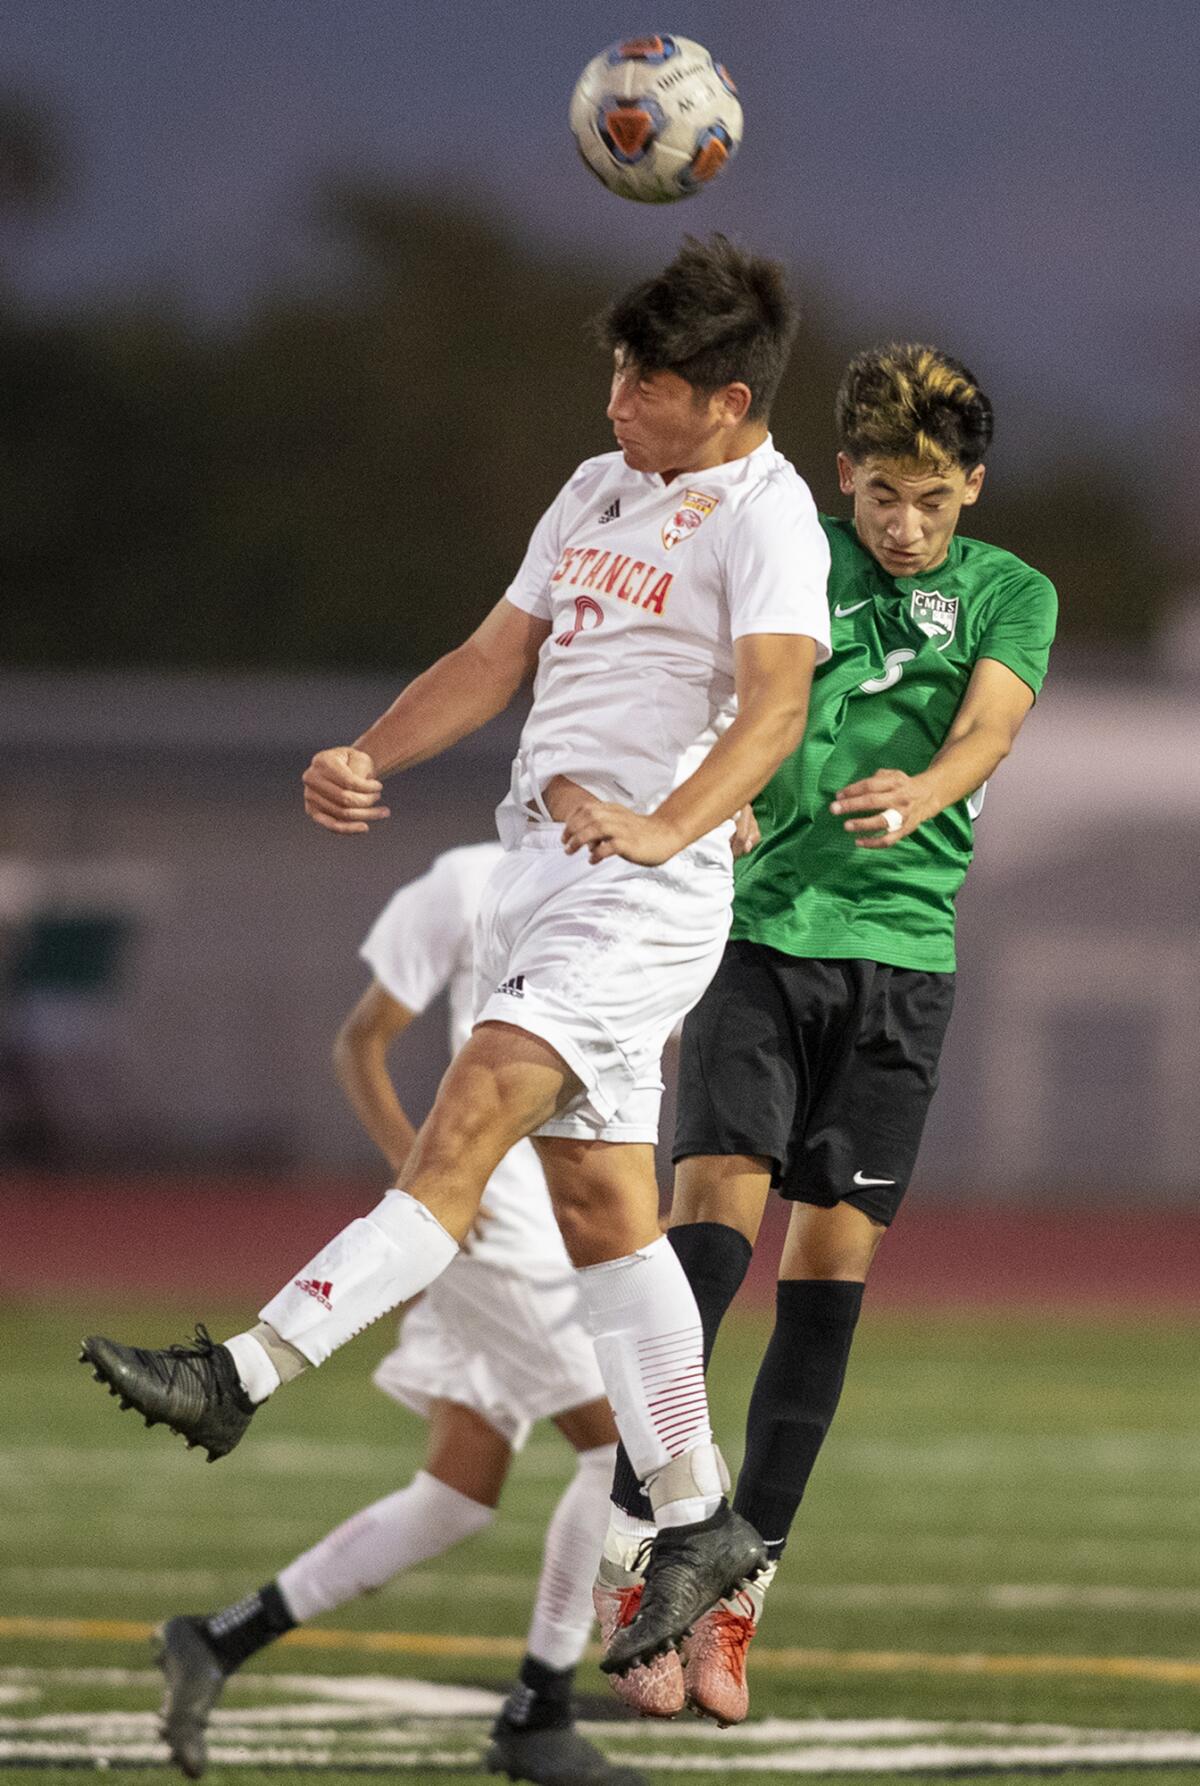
[
  {"x": 905, "y": 513},
  {"x": 664, "y": 425}
]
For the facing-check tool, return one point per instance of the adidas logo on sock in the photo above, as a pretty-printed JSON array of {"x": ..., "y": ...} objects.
[
  {"x": 612, "y": 511},
  {"x": 515, "y": 987},
  {"x": 314, "y": 1287}
]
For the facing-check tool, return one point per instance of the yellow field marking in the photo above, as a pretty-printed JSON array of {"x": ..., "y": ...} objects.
[
  {"x": 1136, "y": 1668},
  {"x": 419, "y": 1643}
]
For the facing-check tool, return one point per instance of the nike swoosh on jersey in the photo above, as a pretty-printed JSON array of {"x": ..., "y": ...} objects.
[
  {"x": 840, "y": 613},
  {"x": 863, "y": 1182}
]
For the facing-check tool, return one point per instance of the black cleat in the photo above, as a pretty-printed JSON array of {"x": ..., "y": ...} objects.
[
  {"x": 194, "y": 1681},
  {"x": 194, "y": 1389},
  {"x": 554, "y": 1758},
  {"x": 690, "y": 1569}
]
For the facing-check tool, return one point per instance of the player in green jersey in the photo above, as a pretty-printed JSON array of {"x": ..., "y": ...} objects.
[{"x": 810, "y": 1062}]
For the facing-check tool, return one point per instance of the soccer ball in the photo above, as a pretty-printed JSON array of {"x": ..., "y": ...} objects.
[{"x": 656, "y": 118}]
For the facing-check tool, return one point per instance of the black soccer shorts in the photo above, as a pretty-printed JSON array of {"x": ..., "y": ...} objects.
[{"x": 824, "y": 1067}]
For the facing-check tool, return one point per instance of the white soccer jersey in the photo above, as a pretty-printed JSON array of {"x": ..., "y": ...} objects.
[
  {"x": 646, "y": 587},
  {"x": 420, "y": 945}
]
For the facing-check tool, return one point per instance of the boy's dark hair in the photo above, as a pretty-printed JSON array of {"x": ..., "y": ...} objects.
[
  {"x": 907, "y": 401},
  {"x": 715, "y": 316}
]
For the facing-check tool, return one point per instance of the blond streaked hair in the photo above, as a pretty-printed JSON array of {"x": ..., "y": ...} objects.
[{"x": 910, "y": 402}]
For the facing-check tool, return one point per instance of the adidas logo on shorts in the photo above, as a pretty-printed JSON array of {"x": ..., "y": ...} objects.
[
  {"x": 612, "y": 512},
  {"x": 515, "y": 988}
]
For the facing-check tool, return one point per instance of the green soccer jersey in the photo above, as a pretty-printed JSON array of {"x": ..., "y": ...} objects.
[{"x": 903, "y": 652}]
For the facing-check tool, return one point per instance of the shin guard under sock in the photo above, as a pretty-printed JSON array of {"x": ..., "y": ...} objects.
[
  {"x": 714, "y": 1258},
  {"x": 795, "y": 1397},
  {"x": 649, "y": 1340},
  {"x": 376, "y": 1262}
]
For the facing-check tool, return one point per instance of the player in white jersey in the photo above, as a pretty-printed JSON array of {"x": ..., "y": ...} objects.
[
  {"x": 668, "y": 689},
  {"x": 495, "y": 1343}
]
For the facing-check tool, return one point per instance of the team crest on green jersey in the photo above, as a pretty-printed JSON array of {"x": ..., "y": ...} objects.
[{"x": 935, "y": 614}]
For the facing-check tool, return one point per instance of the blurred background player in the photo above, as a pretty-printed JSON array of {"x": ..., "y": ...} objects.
[
  {"x": 810, "y": 1063},
  {"x": 495, "y": 1344},
  {"x": 672, "y": 603}
]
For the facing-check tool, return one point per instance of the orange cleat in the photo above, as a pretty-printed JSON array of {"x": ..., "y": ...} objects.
[
  {"x": 654, "y": 1689},
  {"x": 714, "y": 1656}
]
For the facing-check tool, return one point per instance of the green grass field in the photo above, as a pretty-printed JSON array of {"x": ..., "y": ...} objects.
[{"x": 1004, "y": 1531}]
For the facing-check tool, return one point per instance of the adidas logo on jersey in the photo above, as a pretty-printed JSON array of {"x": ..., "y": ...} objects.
[
  {"x": 612, "y": 512},
  {"x": 315, "y": 1287},
  {"x": 515, "y": 988}
]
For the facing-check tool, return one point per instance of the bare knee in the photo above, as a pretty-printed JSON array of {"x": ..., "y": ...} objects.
[
  {"x": 726, "y": 1188},
  {"x": 578, "y": 1226},
  {"x": 467, "y": 1453},
  {"x": 605, "y": 1196},
  {"x": 833, "y": 1244},
  {"x": 499, "y": 1087}
]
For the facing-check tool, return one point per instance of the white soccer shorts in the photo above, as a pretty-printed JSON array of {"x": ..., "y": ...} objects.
[
  {"x": 514, "y": 1350},
  {"x": 602, "y": 961}
]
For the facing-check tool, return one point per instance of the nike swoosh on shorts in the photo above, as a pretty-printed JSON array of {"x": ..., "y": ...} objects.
[{"x": 863, "y": 1182}]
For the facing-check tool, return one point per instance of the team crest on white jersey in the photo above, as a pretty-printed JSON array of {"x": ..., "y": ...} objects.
[
  {"x": 692, "y": 511},
  {"x": 935, "y": 614}
]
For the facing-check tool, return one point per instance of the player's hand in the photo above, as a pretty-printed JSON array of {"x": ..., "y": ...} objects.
[
  {"x": 341, "y": 790},
  {"x": 885, "y": 796},
  {"x": 746, "y": 834},
  {"x": 603, "y": 829}
]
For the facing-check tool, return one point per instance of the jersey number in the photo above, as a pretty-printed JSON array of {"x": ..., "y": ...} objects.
[{"x": 584, "y": 605}]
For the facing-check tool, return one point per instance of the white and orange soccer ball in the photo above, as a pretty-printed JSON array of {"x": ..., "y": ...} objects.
[{"x": 656, "y": 118}]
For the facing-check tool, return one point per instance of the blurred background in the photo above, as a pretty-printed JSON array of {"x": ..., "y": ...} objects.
[
  {"x": 293, "y": 352},
  {"x": 293, "y": 345}
]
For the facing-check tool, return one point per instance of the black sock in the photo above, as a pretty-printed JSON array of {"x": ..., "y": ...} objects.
[
  {"x": 715, "y": 1259},
  {"x": 542, "y": 1698},
  {"x": 246, "y": 1626},
  {"x": 795, "y": 1398}
]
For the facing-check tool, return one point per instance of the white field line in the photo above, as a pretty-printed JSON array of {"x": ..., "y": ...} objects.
[
  {"x": 318, "y": 1724},
  {"x": 929, "y": 1759},
  {"x": 1009, "y": 1597},
  {"x": 389, "y": 1696},
  {"x": 312, "y": 1741},
  {"x": 933, "y": 1758}
]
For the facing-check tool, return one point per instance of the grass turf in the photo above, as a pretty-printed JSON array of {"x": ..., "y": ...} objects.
[{"x": 1013, "y": 1489}]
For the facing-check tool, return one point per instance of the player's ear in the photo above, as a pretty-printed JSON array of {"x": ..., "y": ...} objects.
[
  {"x": 973, "y": 486},
  {"x": 845, "y": 467},
  {"x": 735, "y": 403}
]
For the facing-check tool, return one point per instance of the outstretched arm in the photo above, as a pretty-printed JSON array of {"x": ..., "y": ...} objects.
[
  {"x": 983, "y": 732},
  {"x": 457, "y": 695},
  {"x": 773, "y": 672}
]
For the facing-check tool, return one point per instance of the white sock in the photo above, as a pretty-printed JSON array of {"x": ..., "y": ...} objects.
[
  {"x": 376, "y": 1262},
  {"x": 255, "y": 1369},
  {"x": 643, "y": 1318},
  {"x": 625, "y": 1538},
  {"x": 562, "y": 1613},
  {"x": 418, "y": 1522}
]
